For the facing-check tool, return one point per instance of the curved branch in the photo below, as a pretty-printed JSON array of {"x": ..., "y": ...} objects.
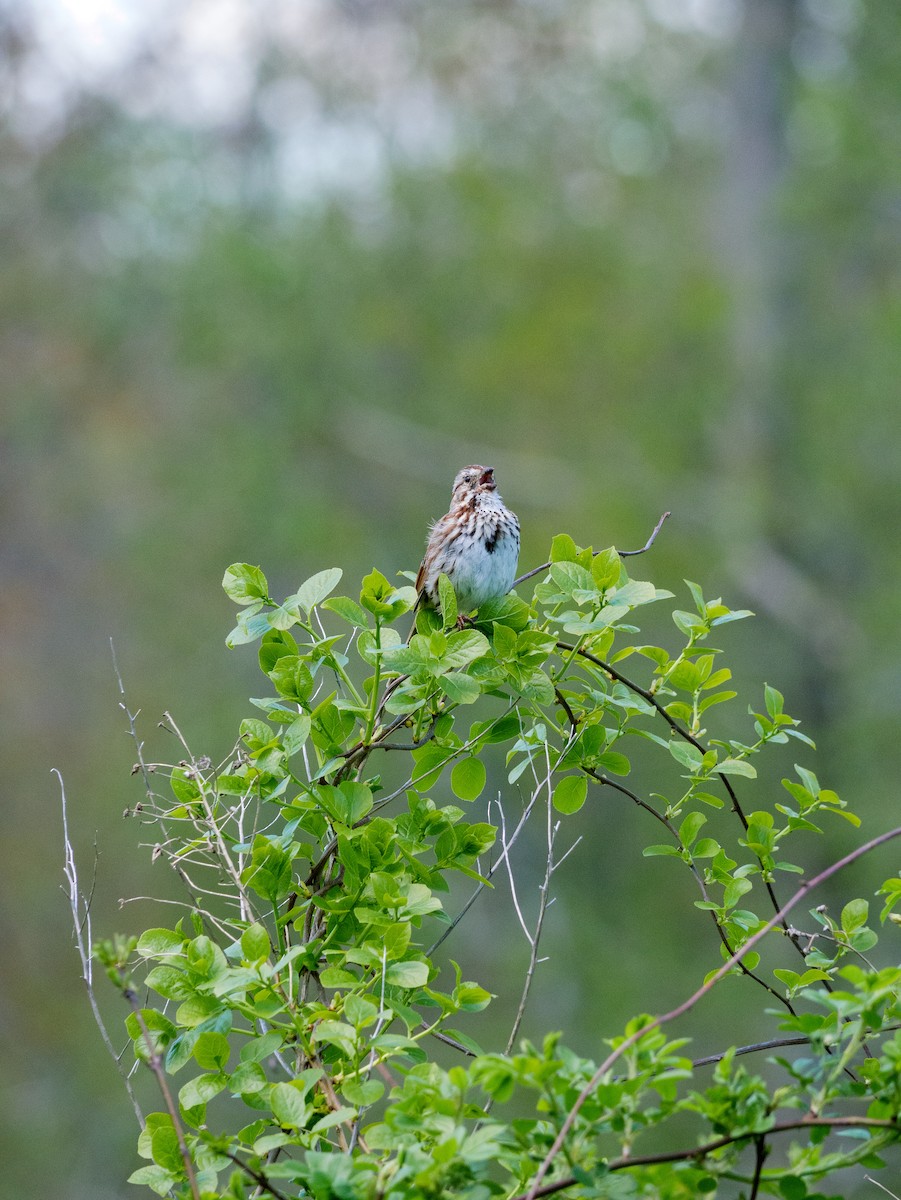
[
  {"x": 671, "y": 829},
  {"x": 694, "y": 1153},
  {"x": 622, "y": 553},
  {"x": 688, "y": 737},
  {"x": 693, "y": 999}
]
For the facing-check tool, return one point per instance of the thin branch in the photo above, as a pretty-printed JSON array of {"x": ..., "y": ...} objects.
[
  {"x": 608, "y": 782},
  {"x": 761, "y": 1150},
  {"x": 544, "y": 899},
  {"x": 696, "y": 1153},
  {"x": 753, "y": 1048},
  {"x": 81, "y": 921},
  {"x": 870, "y": 1179},
  {"x": 506, "y": 857},
  {"x": 257, "y": 1176},
  {"x": 155, "y": 1063},
  {"x": 622, "y": 553},
  {"x": 693, "y": 999},
  {"x": 247, "y": 911},
  {"x": 688, "y": 737},
  {"x": 132, "y": 729},
  {"x": 527, "y": 811},
  {"x": 650, "y": 542}
]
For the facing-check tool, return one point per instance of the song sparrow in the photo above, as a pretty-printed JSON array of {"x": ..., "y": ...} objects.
[{"x": 476, "y": 544}]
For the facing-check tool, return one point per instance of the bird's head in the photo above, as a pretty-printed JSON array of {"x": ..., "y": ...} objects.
[{"x": 472, "y": 480}]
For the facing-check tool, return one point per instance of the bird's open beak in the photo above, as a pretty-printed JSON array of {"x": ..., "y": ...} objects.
[{"x": 487, "y": 479}]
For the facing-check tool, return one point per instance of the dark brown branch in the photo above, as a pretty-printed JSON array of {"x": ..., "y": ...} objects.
[
  {"x": 688, "y": 737},
  {"x": 696, "y": 1153},
  {"x": 570, "y": 715},
  {"x": 702, "y": 991},
  {"x": 651, "y": 540},
  {"x": 761, "y": 1150},
  {"x": 622, "y": 553},
  {"x": 753, "y": 1048},
  {"x": 671, "y": 829},
  {"x": 257, "y": 1176}
]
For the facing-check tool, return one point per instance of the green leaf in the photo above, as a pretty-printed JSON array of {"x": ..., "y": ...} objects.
[
  {"x": 212, "y": 1050},
  {"x": 184, "y": 786},
  {"x": 774, "y": 700},
  {"x": 245, "y": 584},
  {"x": 736, "y": 766},
  {"x": 570, "y": 793},
  {"x": 407, "y": 974},
  {"x": 158, "y": 943},
  {"x": 854, "y": 915},
  {"x": 468, "y": 778},
  {"x": 686, "y": 754},
  {"x": 606, "y": 568},
  {"x": 352, "y": 801},
  {"x": 690, "y": 828},
  {"x": 615, "y": 763},
  {"x": 296, "y": 734},
  {"x": 464, "y": 647},
  {"x": 158, "y": 1179},
  {"x": 792, "y": 1188},
  {"x": 165, "y": 1149},
  {"x": 570, "y": 578},
  {"x": 447, "y": 599},
  {"x": 292, "y": 678},
  {"x": 315, "y": 589},
  {"x": 201, "y": 1090},
  {"x": 471, "y": 997},
  {"x": 705, "y": 848},
  {"x": 330, "y": 1120},
  {"x": 248, "y": 1079},
  {"x": 288, "y": 1105},
  {"x": 348, "y": 610},
  {"x": 261, "y": 1047},
  {"x": 462, "y": 689},
  {"x": 735, "y": 889},
  {"x": 537, "y": 687},
  {"x": 255, "y": 943},
  {"x": 563, "y": 549},
  {"x": 363, "y": 1093}
]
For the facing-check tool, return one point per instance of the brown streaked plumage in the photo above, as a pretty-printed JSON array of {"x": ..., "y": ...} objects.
[{"x": 475, "y": 544}]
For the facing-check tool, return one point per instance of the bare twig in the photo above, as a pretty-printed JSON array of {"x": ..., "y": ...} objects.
[
  {"x": 81, "y": 922},
  {"x": 870, "y": 1179},
  {"x": 520, "y": 825},
  {"x": 132, "y": 729},
  {"x": 622, "y": 553},
  {"x": 544, "y": 899},
  {"x": 247, "y": 911},
  {"x": 693, "y": 999}
]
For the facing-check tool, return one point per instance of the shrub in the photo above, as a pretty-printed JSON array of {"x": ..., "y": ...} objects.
[{"x": 293, "y": 1018}]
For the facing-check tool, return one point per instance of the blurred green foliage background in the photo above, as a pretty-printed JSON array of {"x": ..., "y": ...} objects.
[{"x": 270, "y": 276}]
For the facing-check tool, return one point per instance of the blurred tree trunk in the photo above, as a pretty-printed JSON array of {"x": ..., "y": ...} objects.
[{"x": 755, "y": 440}]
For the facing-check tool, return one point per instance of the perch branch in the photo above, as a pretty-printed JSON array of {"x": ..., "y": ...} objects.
[{"x": 622, "y": 553}]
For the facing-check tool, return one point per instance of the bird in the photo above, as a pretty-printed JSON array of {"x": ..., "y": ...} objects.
[{"x": 475, "y": 544}]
